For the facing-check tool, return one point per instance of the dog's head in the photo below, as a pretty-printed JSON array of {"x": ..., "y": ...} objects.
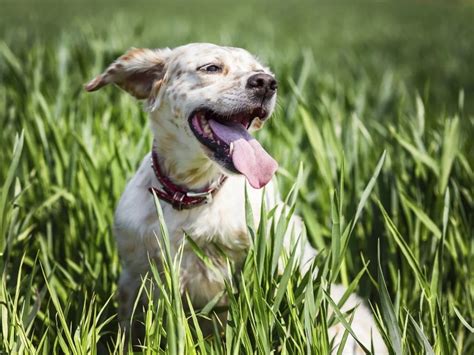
[{"x": 207, "y": 98}]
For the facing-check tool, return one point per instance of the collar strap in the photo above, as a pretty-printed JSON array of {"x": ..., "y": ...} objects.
[{"x": 178, "y": 196}]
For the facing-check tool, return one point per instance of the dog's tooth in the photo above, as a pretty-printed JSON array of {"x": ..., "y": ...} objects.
[
  {"x": 207, "y": 130},
  {"x": 231, "y": 148}
]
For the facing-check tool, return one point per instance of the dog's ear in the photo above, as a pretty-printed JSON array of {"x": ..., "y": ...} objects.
[{"x": 136, "y": 72}]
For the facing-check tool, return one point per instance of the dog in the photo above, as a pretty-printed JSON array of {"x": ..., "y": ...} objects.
[{"x": 203, "y": 101}]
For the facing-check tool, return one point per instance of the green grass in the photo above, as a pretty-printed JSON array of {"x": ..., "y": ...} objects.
[{"x": 375, "y": 100}]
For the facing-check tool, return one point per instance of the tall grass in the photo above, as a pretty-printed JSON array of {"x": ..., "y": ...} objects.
[{"x": 385, "y": 189}]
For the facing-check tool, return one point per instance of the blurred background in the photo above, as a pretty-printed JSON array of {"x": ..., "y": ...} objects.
[{"x": 427, "y": 43}]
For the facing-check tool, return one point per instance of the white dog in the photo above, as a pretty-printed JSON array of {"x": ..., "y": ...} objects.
[{"x": 203, "y": 100}]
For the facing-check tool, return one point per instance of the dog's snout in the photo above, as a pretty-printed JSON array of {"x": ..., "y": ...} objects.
[{"x": 262, "y": 84}]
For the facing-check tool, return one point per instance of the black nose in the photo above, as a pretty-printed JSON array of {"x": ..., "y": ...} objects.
[{"x": 262, "y": 84}]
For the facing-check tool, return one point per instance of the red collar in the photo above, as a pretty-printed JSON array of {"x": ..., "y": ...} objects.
[{"x": 178, "y": 196}]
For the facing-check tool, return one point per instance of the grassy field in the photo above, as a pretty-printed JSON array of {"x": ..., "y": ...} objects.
[{"x": 375, "y": 117}]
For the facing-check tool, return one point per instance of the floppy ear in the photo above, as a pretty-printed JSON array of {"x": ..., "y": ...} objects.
[{"x": 136, "y": 72}]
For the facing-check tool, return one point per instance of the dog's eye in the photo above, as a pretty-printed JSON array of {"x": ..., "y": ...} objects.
[{"x": 211, "y": 68}]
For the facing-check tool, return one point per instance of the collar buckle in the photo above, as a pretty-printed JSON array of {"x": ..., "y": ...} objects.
[{"x": 178, "y": 198}]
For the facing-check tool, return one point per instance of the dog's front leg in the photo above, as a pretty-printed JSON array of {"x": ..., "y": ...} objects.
[{"x": 129, "y": 284}]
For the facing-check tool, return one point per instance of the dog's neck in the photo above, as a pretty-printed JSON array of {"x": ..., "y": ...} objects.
[{"x": 180, "y": 158}]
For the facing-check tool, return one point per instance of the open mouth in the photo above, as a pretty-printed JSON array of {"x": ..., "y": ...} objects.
[{"x": 232, "y": 146}]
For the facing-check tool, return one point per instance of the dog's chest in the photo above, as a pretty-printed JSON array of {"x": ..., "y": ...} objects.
[
  {"x": 218, "y": 229},
  {"x": 220, "y": 225}
]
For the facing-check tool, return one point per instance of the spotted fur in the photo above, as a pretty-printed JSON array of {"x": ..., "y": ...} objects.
[{"x": 173, "y": 86}]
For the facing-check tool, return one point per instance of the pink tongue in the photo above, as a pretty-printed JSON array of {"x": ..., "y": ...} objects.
[{"x": 248, "y": 156}]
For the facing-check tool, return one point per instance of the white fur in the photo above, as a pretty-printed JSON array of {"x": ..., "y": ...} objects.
[{"x": 175, "y": 90}]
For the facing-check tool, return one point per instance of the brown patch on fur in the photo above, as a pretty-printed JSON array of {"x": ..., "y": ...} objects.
[
  {"x": 132, "y": 53},
  {"x": 96, "y": 83},
  {"x": 193, "y": 175},
  {"x": 135, "y": 72},
  {"x": 180, "y": 176},
  {"x": 154, "y": 91},
  {"x": 196, "y": 174},
  {"x": 177, "y": 112},
  {"x": 194, "y": 171},
  {"x": 257, "y": 124}
]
